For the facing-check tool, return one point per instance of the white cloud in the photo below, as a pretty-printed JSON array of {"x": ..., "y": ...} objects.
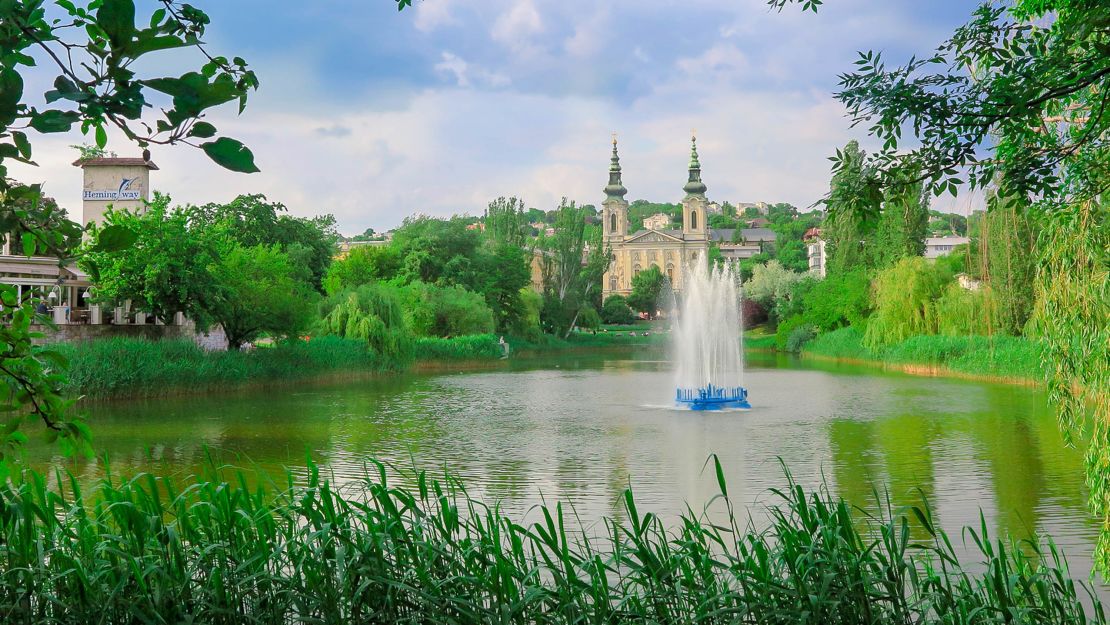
[
  {"x": 465, "y": 73},
  {"x": 433, "y": 14},
  {"x": 589, "y": 35},
  {"x": 721, "y": 58},
  {"x": 517, "y": 28}
]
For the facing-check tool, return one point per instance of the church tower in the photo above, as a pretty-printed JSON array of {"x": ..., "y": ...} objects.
[
  {"x": 614, "y": 214},
  {"x": 694, "y": 217}
]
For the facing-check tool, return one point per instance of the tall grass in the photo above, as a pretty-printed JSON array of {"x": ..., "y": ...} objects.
[
  {"x": 472, "y": 347},
  {"x": 1002, "y": 356},
  {"x": 129, "y": 367},
  {"x": 215, "y": 550}
]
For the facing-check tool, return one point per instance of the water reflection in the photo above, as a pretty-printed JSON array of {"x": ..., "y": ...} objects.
[{"x": 580, "y": 429}]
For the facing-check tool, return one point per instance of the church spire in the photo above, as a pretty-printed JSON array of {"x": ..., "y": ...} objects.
[
  {"x": 615, "y": 189},
  {"x": 694, "y": 186}
]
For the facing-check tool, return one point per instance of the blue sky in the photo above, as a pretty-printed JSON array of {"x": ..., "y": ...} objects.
[{"x": 374, "y": 114}]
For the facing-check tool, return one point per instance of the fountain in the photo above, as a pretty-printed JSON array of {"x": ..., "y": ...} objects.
[{"x": 706, "y": 340}]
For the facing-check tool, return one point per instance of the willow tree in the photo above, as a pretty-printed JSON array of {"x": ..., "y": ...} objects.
[
  {"x": 903, "y": 223},
  {"x": 1018, "y": 97},
  {"x": 1007, "y": 242}
]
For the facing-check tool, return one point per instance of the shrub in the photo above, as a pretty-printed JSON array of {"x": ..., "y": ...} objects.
[
  {"x": 798, "y": 337},
  {"x": 445, "y": 311},
  {"x": 838, "y": 300},
  {"x": 616, "y": 310}
]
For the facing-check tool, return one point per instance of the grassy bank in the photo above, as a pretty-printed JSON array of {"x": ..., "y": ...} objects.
[
  {"x": 130, "y": 367},
  {"x": 475, "y": 347},
  {"x": 212, "y": 550},
  {"x": 1002, "y": 357}
]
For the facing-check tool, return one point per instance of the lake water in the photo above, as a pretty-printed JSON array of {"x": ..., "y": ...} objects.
[{"x": 579, "y": 428}]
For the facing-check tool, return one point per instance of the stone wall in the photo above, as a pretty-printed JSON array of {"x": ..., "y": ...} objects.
[{"x": 76, "y": 333}]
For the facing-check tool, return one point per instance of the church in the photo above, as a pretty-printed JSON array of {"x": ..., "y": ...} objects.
[{"x": 669, "y": 250}]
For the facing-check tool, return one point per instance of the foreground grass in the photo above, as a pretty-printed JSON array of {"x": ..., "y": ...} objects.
[
  {"x": 131, "y": 367},
  {"x": 214, "y": 550},
  {"x": 998, "y": 356}
]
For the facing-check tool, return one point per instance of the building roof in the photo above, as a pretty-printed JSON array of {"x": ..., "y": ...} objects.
[
  {"x": 116, "y": 161},
  {"x": 758, "y": 234},
  {"x": 946, "y": 240}
]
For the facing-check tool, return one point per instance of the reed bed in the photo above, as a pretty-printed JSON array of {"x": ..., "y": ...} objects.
[
  {"x": 132, "y": 367},
  {"x": 471, "y": 347},
  {"x": 1001, "y": 356},
  {"x": 216, "y": 549}
]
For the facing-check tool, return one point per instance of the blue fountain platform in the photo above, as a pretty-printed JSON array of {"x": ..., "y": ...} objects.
[{"x": 713, "y": 398}]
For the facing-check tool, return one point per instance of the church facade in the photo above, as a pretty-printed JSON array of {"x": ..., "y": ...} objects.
[{"x": 671, "y": 250}]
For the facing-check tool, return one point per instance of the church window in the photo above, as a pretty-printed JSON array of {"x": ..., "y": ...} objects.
[
  {"x": 612, "y": 283},
  {"x": 693, "y": 220},
  {"x": 636, "y": 269},
  {"x": 670, "y": 272},
  {"x": 613, "y": 222}
]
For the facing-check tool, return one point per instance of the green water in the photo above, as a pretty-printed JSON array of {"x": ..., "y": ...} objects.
[{"x": 580, "y": 428}]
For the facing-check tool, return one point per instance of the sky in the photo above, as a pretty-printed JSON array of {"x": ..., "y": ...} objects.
[{"x": 373, "y": 114}]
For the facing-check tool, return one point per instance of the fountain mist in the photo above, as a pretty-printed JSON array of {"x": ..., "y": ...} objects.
[{"x": 709, "y": 361}]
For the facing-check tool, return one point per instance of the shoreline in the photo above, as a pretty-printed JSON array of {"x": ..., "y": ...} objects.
[{"x": 923, "y": 370}]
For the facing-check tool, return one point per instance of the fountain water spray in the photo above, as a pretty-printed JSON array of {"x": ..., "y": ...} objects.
[{"x": 707, "y": 339}]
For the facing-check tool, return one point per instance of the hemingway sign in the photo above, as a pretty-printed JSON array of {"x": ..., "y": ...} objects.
[{"x": 123, "y": 192}]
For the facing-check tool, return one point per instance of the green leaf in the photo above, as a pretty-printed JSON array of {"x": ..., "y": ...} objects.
[
  {"x": 117, "y": 18},
  {"x": 29, "y": 243},
  {"x": 11, "y": 91},
  {"x": 230, "y": 154},
  {"x": 101, "y": 136},
  {"x": 54, "y": 121},
  {"x": 22, "y": 144},
  {"x": 114, "y": 238},
  {"x": 203, "y": 130}
]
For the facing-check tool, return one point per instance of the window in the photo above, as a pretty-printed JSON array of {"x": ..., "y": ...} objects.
[
  {"x": 636, "y": 269},
  {"x": 612, "y": 283},
  {"x": 693, "y": 220},
  {"x": 612, "y": 222},
  {"x": 670, "y": 272}
]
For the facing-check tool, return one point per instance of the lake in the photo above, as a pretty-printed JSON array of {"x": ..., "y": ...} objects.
[{"x": 581, "y": 427}]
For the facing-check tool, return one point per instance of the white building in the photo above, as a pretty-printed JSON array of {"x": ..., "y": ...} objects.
[
  {"x": 117, "y": 182},
  {"x": 936, "y": 247},
  {"x": 658, "y": 221}
]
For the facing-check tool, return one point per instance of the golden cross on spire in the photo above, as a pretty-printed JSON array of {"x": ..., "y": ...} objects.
[{"x": 614, "y": 137}]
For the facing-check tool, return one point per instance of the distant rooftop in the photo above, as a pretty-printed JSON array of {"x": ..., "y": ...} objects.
[{"x": 108, "y": 161}]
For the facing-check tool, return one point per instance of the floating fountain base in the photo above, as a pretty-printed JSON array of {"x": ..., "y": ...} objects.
[{"x": 713, "y": 398}]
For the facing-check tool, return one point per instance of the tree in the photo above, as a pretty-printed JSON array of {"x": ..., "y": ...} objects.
[
  {"x": 615, "y": 310},
  {"x": 252, "y": 220},
  {"x": 363, "y": 265},
  {"x": 168, "y": 268},
  {"x": 853, "y": 197},
  {"x": 260, "y": 293},
  {"x": 371, "y": 313},
  {"x": 1017, "y": 98},
  {"x": 903, "y": 224},
  {"x": 771, "y": 285},
  {"x": 507, "y": 223},
  {"x": 94, "y": 53},
  {"x": 444, "y": 311},
  {"x": 1007, "y": 243},
  {"x": 646, "y": 287},
  {"x": 506, "y": 273},
  {"x": 561, "y": 266}
]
